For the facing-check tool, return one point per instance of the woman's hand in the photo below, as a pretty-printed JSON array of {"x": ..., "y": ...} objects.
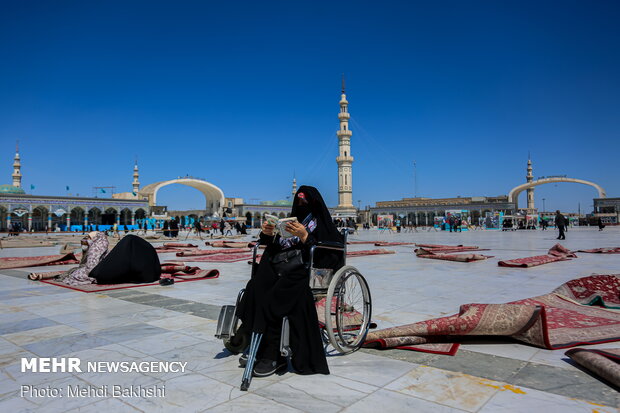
[
  {"x": 298, "y": 230},
  {"x": 267, "y": 229}
]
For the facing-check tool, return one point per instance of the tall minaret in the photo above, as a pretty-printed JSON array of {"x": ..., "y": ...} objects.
[
  {"x": 294, "y": 191},
  {"x": 135, "y": 184},
  {"x": 530, "y": 191},
  {"x": 17, "y": 175},
  {"x": 344, "y": 160}
]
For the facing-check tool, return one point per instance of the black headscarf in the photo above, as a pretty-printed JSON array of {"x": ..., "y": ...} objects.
[{"x": 312, "y": 202}]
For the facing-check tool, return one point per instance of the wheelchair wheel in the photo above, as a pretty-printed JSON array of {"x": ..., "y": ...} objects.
[
  {"x": 347, "y": 319},
  {"x": 236, "y": 344}
]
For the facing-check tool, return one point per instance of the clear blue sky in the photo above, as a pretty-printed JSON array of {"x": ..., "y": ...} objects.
[{"x": 245, "y": 94}]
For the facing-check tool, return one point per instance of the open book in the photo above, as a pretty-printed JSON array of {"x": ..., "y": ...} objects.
[{"x": 280, "y": 224}]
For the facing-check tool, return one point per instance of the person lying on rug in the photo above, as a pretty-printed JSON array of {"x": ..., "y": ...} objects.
[
  {"x": 94, "y": 249},
  {"x": 132, "y": 260},
  {"x": 274, "y": 292}
]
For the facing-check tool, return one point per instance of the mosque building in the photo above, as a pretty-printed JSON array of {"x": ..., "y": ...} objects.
[{"x": 38, "y": 212}]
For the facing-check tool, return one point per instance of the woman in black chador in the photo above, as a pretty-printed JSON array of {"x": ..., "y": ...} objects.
[
  {"x": 132, "y": 260},
  {"x": 269, "y": 297}
]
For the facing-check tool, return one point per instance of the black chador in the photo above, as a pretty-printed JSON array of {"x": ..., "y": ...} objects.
[
  {"x": 268, "y": 297},
  {"x": 132, "y": 260}
]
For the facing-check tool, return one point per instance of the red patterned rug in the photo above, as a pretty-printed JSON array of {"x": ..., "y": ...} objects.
[
  {"x": 555, "y": 253},
  {"x": 363, "y": 253},
  {"x": 20, "y": 262},
  {"x": 448, "y": 248},
  {"x": 230, "y": 244},
  {"x": 549, "y": 321},
  {"x": 220, "y": 257},
  {"x": 600, "y": 290},
  {"x": 610, "y": 250},
  {"x": 425, "y": 253},
  {"x": 604, "y": 363},
  {"x": 183, "y": 275},
  {"x": 196, "y": 253},
  {"x": 386, "y": 243}
]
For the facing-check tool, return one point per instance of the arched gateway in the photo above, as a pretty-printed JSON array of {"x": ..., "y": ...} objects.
[
  {"x": 213, "y": 195},
  {"x": 513, "y": 196}
]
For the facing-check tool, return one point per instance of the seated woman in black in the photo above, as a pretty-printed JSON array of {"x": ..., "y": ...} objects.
[
  {"x": 269, "y": 297},
  {"x": 132, "y": 260}
]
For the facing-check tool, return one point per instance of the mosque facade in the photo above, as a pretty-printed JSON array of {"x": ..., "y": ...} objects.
[{"x": 38, "y": 212}]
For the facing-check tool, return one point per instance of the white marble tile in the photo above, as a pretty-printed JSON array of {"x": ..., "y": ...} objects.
[
  {"x": 63, "y": 402},
  {"x": 162, "y": 342},
  {"x": 105, "y": 405},
  {"x": 296, "y": 398},
  {"x": 452, "y": 389},
  {"x": 523, "y": 399},
  {"x": 334, "y": 389},
  {"x": 251, "y": 403},
  {"x": 228, "y": 371},
  {"x": 39, "y": 334},
  {"x": 190, "y": 392},
  {"x": 506, "y": 349},
  {"x": 180, "y": 322},
  {"x": 390, "y": 401},
  {"x": 368, "y": 368}
]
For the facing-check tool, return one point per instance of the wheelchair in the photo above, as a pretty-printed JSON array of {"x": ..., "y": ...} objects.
[{"x": 343, "y": 303}]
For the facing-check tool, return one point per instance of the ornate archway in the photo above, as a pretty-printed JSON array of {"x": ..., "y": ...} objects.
[
  {"x": 214, "y": 196},
  {"x": 513, "y": 196}
]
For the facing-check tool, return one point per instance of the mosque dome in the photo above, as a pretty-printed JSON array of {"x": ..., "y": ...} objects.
[
  {"x": 11, "y": 189},
  {"x": 282, "y": 202}
]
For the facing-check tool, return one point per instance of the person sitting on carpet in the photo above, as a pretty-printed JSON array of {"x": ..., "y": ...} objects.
[
  {"x": 132, "y": 260},
  {"x": 269, "y": 295},
  {"x": 94, "y": 249}
]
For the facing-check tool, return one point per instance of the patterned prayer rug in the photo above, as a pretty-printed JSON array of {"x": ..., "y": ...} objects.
[
  {"x": 178, "y": 277},
  {"x": 611, "y": 250},
  {"x": 424, "y": 253},
  {"x": 195, "y": 253},
  {"x": 230, "y": 244},
  {"x": 20, "y": 262},
  {"x": 363, "y": 253},
  {"x": 386, "y": 243},
  {"x": 604, "y": 363},
  {"x": 549, "y": 321},
  {"x": 555, "y": 253},
  {"x": 447, "y": 248},
  {"x": 593, "y": 290},
  {"x": 351, "y": 254},
  {"x": 221, "y": 257}
]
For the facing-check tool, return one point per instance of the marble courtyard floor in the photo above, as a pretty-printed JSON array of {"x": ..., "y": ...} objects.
[{"x": 177, "y": 323}]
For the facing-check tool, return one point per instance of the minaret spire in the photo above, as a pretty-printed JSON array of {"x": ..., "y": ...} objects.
[
  {"x": 136, "y": 183},
  {"x": 294, "y": 190},
  {"x": 17, "y": 174},
  {"x": 344, "y": 160},
  {"x": 529, "y": 178}
]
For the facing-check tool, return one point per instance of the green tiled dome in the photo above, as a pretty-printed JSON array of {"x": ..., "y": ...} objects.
[{"x": 10, "y": 189}]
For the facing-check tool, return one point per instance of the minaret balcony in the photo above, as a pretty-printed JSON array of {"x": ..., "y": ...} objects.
[
  {"x": 344, "y": 115},
  {"x": 344, "y": 133},
  {"x": 344, "y": 159}
]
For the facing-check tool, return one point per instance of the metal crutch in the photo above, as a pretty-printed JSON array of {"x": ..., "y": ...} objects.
[{"x": 249, "y": 367}]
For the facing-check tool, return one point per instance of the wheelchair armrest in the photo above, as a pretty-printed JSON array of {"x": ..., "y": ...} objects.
[{"x": 330, "y": 244}]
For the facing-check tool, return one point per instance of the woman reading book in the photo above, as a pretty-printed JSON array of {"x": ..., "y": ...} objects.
[{"x": 273, "y": 293}]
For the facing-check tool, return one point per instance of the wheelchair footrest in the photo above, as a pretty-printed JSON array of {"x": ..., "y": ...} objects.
[{"x": 226, "y": 322}]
